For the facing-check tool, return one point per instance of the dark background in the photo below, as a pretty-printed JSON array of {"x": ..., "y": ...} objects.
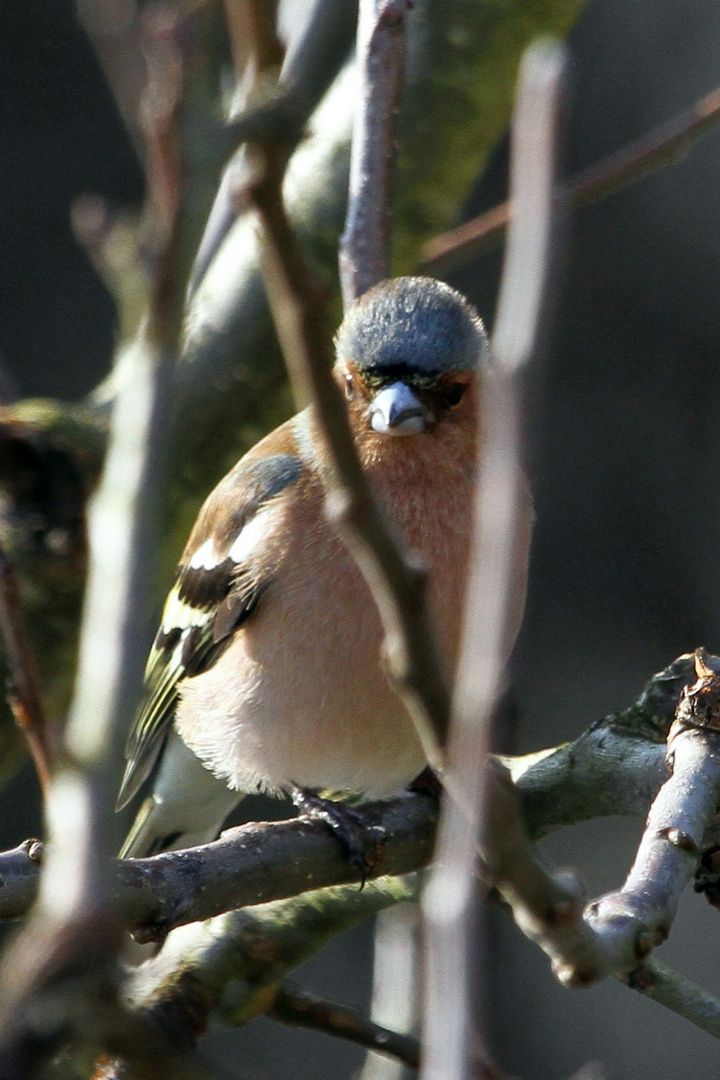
[{"x": 625, "y": 571}]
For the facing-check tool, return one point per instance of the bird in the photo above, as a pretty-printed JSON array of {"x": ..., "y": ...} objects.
[{"x": 267, "y": 670}]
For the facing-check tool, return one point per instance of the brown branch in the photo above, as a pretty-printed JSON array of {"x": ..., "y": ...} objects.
[
  {"x": 366, "y": 243},
  {"x": 23, "y": 690},
  {"x": 664, "y": 145},
  {"x": 266, "y": 51},
  {"x": 258, "y": 863},
  {"x": 313, "y": 60},
  {"x": 547, "y": 907},
  {"x": 297, "y": 303},
  {"x": 296, "y": 1007},
  {"x": 396, "y": 584},
  {"x": 250, "y": 864}
]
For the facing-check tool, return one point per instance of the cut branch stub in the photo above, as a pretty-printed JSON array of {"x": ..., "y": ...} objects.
[{"x": 699, "y": 705}]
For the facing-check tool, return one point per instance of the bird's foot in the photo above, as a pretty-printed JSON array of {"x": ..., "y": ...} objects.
[{"x": 358, "y": 836}]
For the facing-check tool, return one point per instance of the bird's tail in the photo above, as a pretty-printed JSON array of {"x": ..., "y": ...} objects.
[{"x": 187, "y": 805}]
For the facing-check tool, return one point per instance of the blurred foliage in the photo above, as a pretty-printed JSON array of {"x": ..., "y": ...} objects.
[
  {"x": 459, "y": 100},
  {"x": 50, "y": 457}
]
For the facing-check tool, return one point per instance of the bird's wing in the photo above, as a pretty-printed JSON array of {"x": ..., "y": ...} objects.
[{"x": 218, "y": 584}]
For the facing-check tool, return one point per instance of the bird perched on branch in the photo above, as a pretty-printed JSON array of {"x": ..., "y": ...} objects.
[{"x": 267, "y": 671}]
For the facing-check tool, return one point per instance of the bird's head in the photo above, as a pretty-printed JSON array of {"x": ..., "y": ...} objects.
[{"x": 408, "y": 356}]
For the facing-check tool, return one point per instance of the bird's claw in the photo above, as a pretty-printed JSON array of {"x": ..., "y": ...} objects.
[{"x": 358, "y": 836}]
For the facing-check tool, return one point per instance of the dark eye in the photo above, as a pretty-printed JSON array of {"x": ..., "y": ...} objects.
[
  {"x": 455, "y": 393},
  {"x": 349, "y": 388}
]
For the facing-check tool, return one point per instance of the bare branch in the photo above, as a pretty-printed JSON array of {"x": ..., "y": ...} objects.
[
  {"x": 617, "y": 766},
  {"x": 299, "y": 311},
  {"x": 293, "y": 1006},
  {"x": 664, "y": 145},
  {"x": 252, "y": 951},
  {"x": 638, "y": 917},
  {"x": 250, "y": 864},
  {"x": 257, "y": 863},
  {"x": 616, "y": 933},
  {"x": 678, "y": 994},
  {"x": 23, "y": 689},
  {"x": 559, "y": 786},
  {"x": 547, "y": 907},
  {"x": 311, "y": 64},
  {"x": 366, "y": 243},
  {"x": 497, "y": 579},
  {"x": 397, "y": 585}
]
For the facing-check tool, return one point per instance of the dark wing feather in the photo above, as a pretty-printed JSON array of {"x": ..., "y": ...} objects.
[{"x": 211, "y": 598}]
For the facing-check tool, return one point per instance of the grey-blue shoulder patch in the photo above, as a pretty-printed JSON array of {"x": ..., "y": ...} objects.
[{"x": 273, "y": 474}]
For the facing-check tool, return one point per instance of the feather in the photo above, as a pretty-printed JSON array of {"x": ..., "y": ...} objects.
[{"x": 218, "y": 586}]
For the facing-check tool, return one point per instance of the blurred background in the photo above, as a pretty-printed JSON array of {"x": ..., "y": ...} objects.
[{"x": 625, "y": 460}]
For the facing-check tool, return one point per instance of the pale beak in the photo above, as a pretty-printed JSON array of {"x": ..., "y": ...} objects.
[{"x": 395, "y": 410}]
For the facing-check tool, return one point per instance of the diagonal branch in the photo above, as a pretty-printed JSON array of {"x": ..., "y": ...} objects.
[
  {"x": 680, "y": 995},
  {"x": 298, "y": 307},
  {"x": 293, "y": 1006},
  {"x": 664, "y": 145}
]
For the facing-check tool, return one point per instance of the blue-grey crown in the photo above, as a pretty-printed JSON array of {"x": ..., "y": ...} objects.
[{"x": 413, "y": 323}]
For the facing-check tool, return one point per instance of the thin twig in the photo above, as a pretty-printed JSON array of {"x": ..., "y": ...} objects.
[
  {"x": 497, "y": 579},
  {"x": 366, "y": 243},
  {"x": 297, "y": 302},
  {"x": 296, "y": 1007},
  {"x": 680, "y": 995},
  {"x": 23, "y": 689},
  {"x": 312, "y": 62},
  {"x": 396, "y": 584},
  {"x": 664, "y": 145}
]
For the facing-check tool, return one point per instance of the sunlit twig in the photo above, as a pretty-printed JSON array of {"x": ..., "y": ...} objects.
[{"x": 452, "y": 1038}]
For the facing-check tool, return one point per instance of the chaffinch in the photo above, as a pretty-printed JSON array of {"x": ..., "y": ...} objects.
[{"x": 267, "y": 670}]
